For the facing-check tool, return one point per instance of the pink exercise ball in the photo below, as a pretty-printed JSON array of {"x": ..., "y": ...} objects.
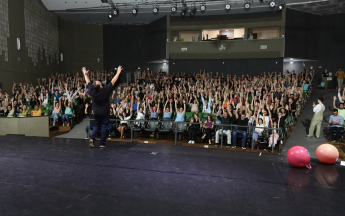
[
  {"x": 327, "y": 153},
  {"x": 299, "y": 156}
]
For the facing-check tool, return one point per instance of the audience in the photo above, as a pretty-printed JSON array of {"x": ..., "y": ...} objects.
[{"x": 264, "y": 99}]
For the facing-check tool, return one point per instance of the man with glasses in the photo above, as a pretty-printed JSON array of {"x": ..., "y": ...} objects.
[{"x": 336, "y": 121}]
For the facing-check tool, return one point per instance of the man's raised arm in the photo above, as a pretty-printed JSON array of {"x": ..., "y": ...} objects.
[
  {"x": 85, "y": 72},
  {"x": 119, "y": 69}
]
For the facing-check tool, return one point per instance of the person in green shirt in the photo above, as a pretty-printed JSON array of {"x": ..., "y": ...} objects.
[
  {"x": 68, "y": 112},
  {"x": 23, "y": 112},
  {"x": 341, "y": 110}
]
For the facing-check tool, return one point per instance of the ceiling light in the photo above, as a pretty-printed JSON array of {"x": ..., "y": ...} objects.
[
  {"x": 291, "y": 62},
  {"x": 192, "y": 12},
  {"x": 281, "y": 6},
  {"x": 247, "y": 5},
  {"x": 227, "y": 6},
  {"x": 173, "y": 8},
  {"x": 203, "y": 7},
  {"x": 134, "y": 11},
  {"x": 183, "y": 12},
  {"x": 115, "y": 12},
  {"x": 272, "y": 4},
  {"x": 155, "y": 9},
  {"x": 110, "y": 16}
]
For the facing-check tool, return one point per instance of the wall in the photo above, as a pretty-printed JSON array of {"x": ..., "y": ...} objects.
[
  {"x": 81, "y": 45},
  {"x": 133, "y": 46},
  {"x": 21, "y": 65},
  {"x": 230, "y": 66},
  {"x": 302, "y": 33}
]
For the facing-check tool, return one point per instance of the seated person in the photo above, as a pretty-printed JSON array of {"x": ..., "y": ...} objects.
[
  {"x": 194, "y": 105},
  {"x": 336, "y": 121},
  {"x": 181, "y": 112},
  {"x": 194, "y": 128},
  {"x": 9, "y": 112},
  {"x": 241, "y": 121},
  {"x": 140, "y": 115},
  {"x": 341, "y": 110},
  {"x": 167, "y": 112},
  {"x": 260, "y": 123},
  {"x": 56, "y": 112},
  {"x": 226, "y": 119},
  {"x": 68, "y": 112},
  {"x": 23, "y": 112},
  {"x": 153, "y": 112},
  {"x": 206, "y": 104},
  {"x": 209, "y": 125},
  {"x": 36, "y": 111},
  {"x": 123, "y": 123},
  {"x": 274, "y": 136}
]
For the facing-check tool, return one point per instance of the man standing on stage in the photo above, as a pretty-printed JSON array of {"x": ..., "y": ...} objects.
[{"x": 100, "y": 98}]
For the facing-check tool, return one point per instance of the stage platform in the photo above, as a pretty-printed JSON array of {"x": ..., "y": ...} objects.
[{"x": 54, "y": 176}]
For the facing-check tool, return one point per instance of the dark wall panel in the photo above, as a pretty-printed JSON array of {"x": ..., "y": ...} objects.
[
  {"x": 227, "y": 66},
  {"x": 302, "y": 35},
  {"x": 132, "y": 46}
]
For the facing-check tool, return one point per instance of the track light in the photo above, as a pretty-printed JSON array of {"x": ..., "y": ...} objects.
[
  {"x": 203, "y": 7},
  {"x": 134, "y": 11},
  {"x": 281, "y": 6},
  {"x": 155, "y": 9},
  {"x": 110, "y": 16},
  {"x": 192, "y": 12},
  {"x": 115, "y": 12},
  {"x": 247, "y": 5},
  {"x": 272, "y": 4},
  {"x": 173, "y": 8},
  {"x": 227, "y": 7}
]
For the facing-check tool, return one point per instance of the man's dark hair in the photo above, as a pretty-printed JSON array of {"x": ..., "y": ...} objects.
[
  {"x": 335, "y": 110},
  {"x": 321, "y": 99}
]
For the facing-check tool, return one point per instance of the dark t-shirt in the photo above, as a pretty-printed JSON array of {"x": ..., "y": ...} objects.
[
  {"x": 325, "y": 74},
  {"x": 100, "y": 99},
  {"x": 244, "y": 122}
]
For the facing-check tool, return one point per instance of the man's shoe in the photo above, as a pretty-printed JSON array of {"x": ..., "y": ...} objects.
[
  {"x": 233, "y": 146},
  {"x": 317, "y": 137},
  {"x": 91, "y": 143},
  {"x": 333, "y": 141},
  {"x": 102, "y": 146},
  {"x": 244, "y": 148},
  {"x": 308, "y": 136},
  {"x": 190, "y": 141}
]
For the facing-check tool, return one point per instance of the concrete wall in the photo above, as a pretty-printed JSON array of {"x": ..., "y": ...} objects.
[
  {"x": 17, "y": 65},
  {"x": 26, "y": 126},
  {"x": 81, "y": 45}
]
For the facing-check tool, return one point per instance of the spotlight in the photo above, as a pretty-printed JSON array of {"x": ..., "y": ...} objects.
[
  {"x": 280, "y": 7},
  {"x": 272, "y": 4},
  {"x": 183, "y": 12},
  {"x": 110, "y": 16},
  {"x": 173, "y": 8},
  {"x": 115, "y": 12},
  {"x": 155, "y": 9},
  {"x": 227, "y": 7},
  {"x": 134, "y": 11},
  {"x": 203, "y": 7},
  {"x": 192, "y": 12},
  {"x": 247, "y": 5}
]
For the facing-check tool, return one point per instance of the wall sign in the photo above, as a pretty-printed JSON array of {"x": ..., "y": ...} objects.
[{"x": 263, "y": 47}]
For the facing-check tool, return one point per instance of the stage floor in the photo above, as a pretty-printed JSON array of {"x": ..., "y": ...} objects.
[{"x": 54, "y": 176}]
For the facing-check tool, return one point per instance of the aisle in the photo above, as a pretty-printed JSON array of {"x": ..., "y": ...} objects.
[
  {"x": 77, "y": 132},
  {"x": 298, "y": 135}
]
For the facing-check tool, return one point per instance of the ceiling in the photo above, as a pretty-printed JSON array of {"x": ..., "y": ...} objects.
[
  {"x": 94, "y": 11},
  {"x": 325, "y": 7}
]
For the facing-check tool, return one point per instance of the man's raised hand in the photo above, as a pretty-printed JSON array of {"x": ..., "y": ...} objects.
[{"x": 85, "y": 72}]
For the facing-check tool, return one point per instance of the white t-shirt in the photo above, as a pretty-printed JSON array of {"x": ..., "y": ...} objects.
[{"x": 259, "y": 129}]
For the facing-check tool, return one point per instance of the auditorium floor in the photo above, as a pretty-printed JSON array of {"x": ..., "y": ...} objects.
[{"x": 54, "y": 176}]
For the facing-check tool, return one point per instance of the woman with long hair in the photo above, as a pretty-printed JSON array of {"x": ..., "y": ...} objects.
[{"x": 209, "y": 125}]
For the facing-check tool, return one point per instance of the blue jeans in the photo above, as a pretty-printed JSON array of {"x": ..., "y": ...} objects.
[
  {"x": 55, "y": 116},
  {"x": 244, "y": 135},
  {"x": 66, "y": 117},
  {"x": 101, "y": 122},
  {"x": 255, "y": 137},
  {"x": 87, "y": 128},
  {"x": 110, "y": 128},
  {"x": 250, "y": 124}
]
